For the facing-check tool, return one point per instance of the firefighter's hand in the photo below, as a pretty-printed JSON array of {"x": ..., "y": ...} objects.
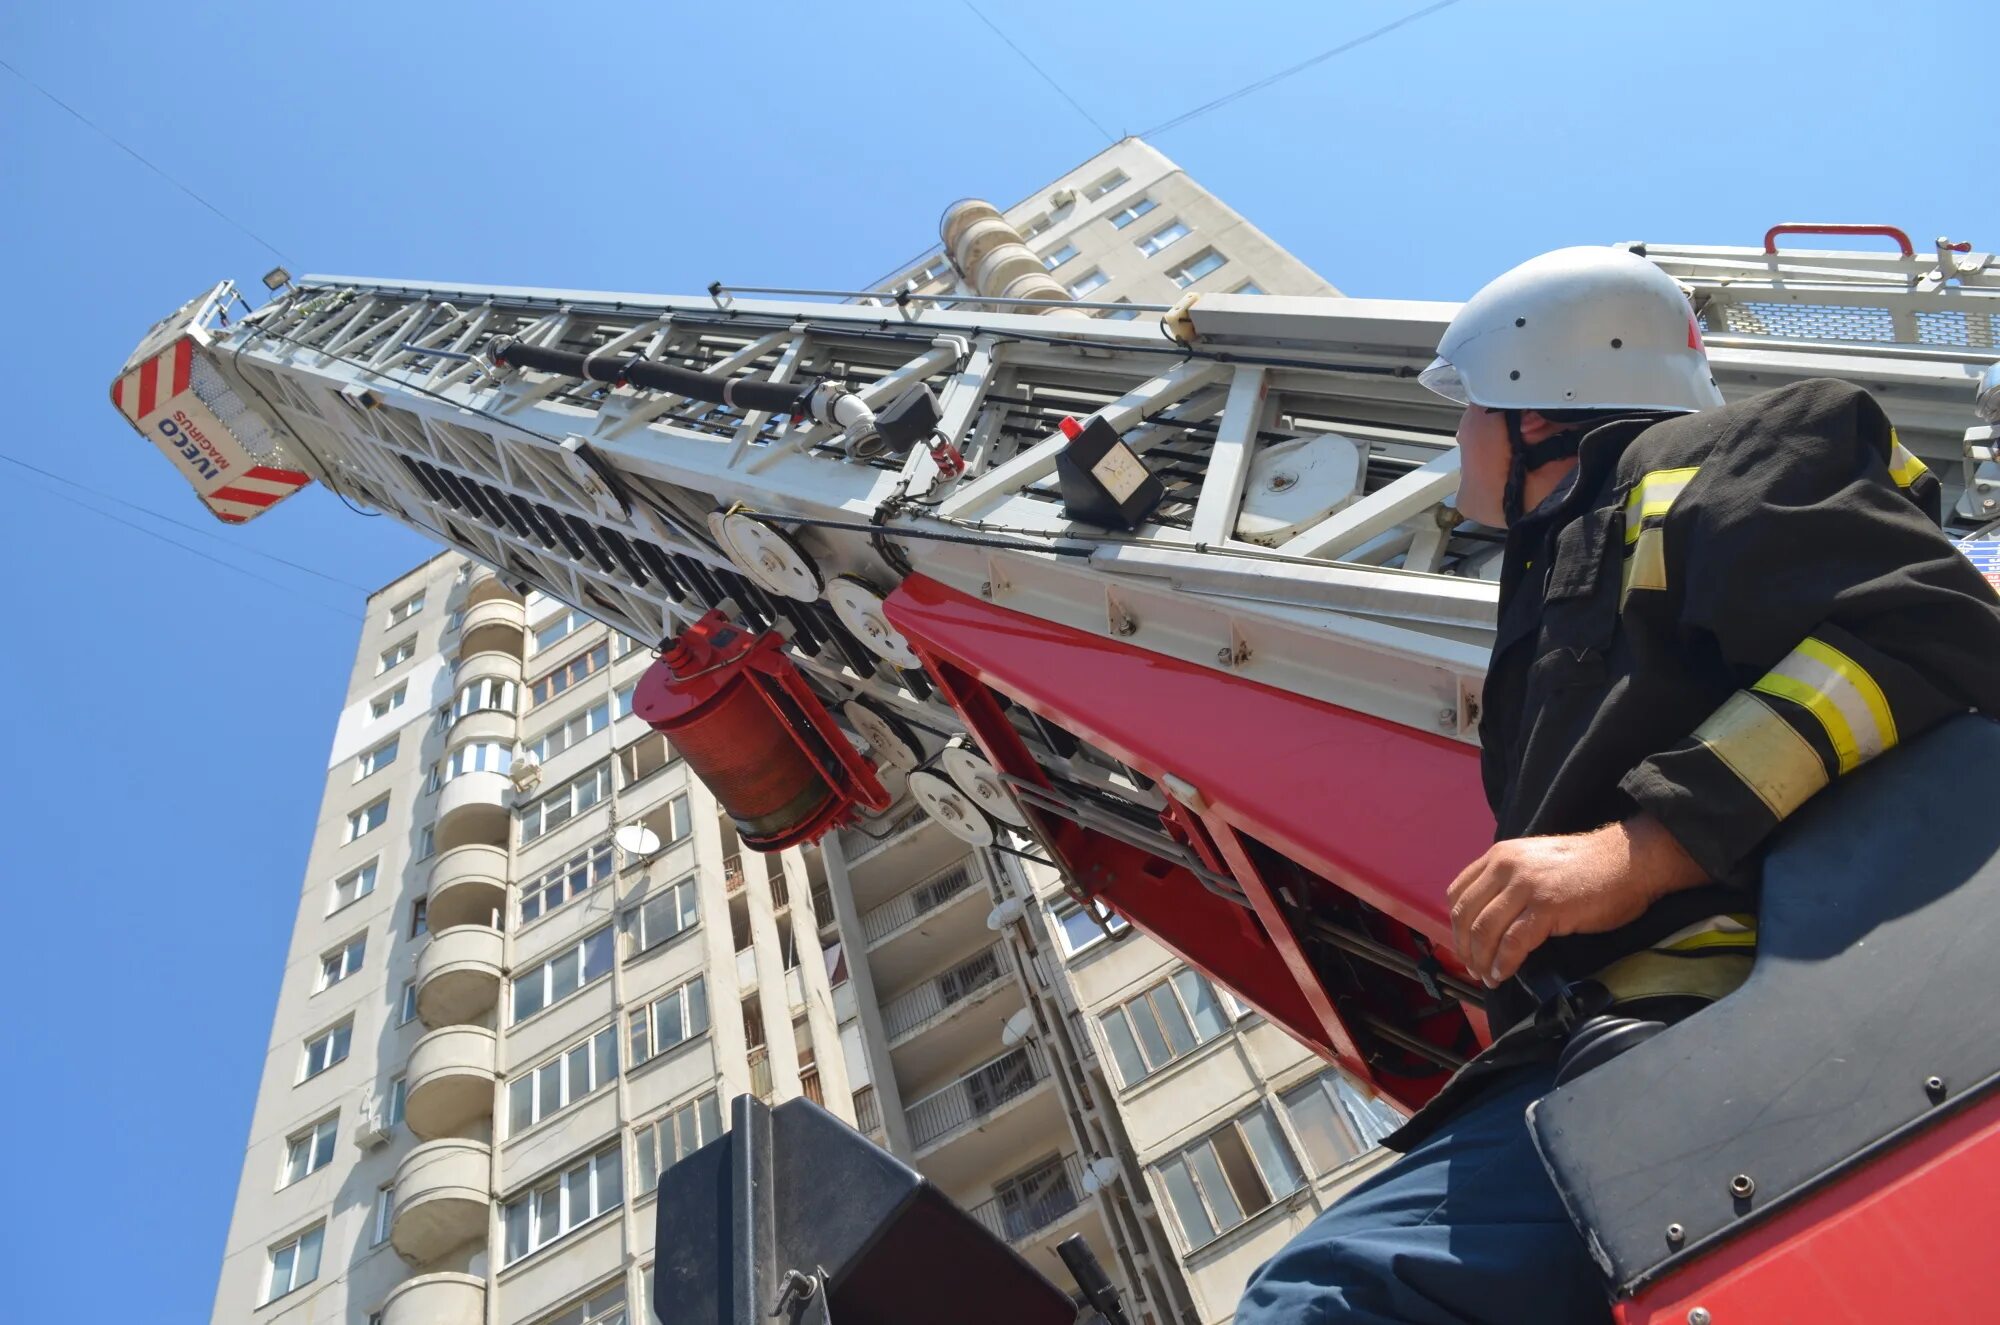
[{"x": 1529, "y": 889}]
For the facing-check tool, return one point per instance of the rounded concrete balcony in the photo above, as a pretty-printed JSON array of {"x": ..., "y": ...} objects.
[
  {"x": 449, "y": 1080},
  {"x": 458, "y": 975},
  {"x": 472, "y": 809},
  {"x": 484, "y": 725},
  {"x": 468, "y": 887},
  {"x": 498, "y": 624},
  {"x": 441, "y": 1198},
  {"x": 437, "y": 1299}
]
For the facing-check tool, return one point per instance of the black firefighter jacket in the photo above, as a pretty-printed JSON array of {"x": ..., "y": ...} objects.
[{"x": 1724, "y": 613}]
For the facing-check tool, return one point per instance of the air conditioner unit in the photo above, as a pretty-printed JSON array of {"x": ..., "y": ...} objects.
[
  {"x": 1062, "y": 198},
  {"x": 370, "y": 1130},
  {"x": 526, "y": 771}
]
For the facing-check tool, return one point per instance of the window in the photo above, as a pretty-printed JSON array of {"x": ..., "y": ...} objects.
[
  {"x": 662, "y": 916},
  {"x": 559, "y": 628},
  {"x": 622, "y": 645},
  {"x": 295, "y": 1264},
  {"x": 482, "y": 694},
  {"x": 406, "y": 609},
  {"x": 396, "y": 654},
  {"x": 1087, "y": 282},
  {"x": 562, "y": 1202},
  {"x": 384, "y": 1199},
  {"x": 1106, "y": 185},
  {"x": 374, "y": 761},
  {"x": 1120, "y": 314},
  {"x": 1248, "y": 287},
  {"x": 546, "y": 688},
  {"x": 310, "y": 1151},
  {"x": 426, "y": 842},
  {"x": 1038, "y": 226},
  {"x": 406, "y": 1011},
  {"x": 1080, "y": 927},
  {"x": 1131, "y": 212},
  {"x": 326, "y": 1049},
  {"x": 1168, "y": 1021},
  {"x": 420, "y": 918},
  {"x": 624, "y": 698},
  {"x": 368, "y": 818},
  {"x": 643, "y": 758},
  {"x": 1164, "y": 236},
  {"x": 472, "y": 757},
  {"x": 565, "y": 802},
  {"x": 566, "y": 734},
  {"x": 1334, "y": 1121},
  {"x": 388, "y": 700},
  {"x": 563, "y": 974},
  {"x": 344, "y": 961},
  {"x": 399, "y": 1094},
  {"x": 604, "y": 1307},
  {"x": 563, "y": 1080},
  {"x": 1057, "y": 256},
  {"x": 673, "y": 1137},
  {"x": 1229, "y": 1175},
  {"x": 669, "y": 1021},
  {"x": 567, "y": 881},
  {"x": 352, "y": 886},
  {"x": 1196, "y": 267}
]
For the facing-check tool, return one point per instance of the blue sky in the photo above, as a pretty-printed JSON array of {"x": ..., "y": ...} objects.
[{"x": 173, "y": 715}]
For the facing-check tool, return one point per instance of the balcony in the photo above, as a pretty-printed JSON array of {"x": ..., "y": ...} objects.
[
  {"x": 484, "y": 725},
  {"x": 940, "y": 921},
  {"x": 437, "y": 1299},
  {"x": 449, "y": 1081},
  {"x": 493, "y": 625},
  {"x": 932, "y": 1027},
  {"x": 472, "y": 810},
  {"x": 441, "y": 1199},
  {"x": 458, "y": 975},
  {"x": 975, "y": 1096},
  {"x": 1036, "y": 1205},
  {"x": 468, "y": 887}
]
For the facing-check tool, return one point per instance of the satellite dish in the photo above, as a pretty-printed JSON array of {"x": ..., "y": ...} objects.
[
  {"x": 636, "y": 840},
  {"x": 1004, "y": 914},
  {"x": 1017, "y": 1028},
  {"x": 1099, "y": 1173}
]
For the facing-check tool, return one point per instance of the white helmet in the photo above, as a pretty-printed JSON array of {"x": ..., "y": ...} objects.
[{"x": 1579, "y": 328}]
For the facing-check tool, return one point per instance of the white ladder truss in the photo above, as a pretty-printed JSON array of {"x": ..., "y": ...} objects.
[{"x": 601, "y": 495}]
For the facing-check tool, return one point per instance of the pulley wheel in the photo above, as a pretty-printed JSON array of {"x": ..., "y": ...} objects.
[
  {"x": 971, "y": 774},
  {"x": 771, "y": 557},
  {"x": 859, "y": 608},
  {"x": 952, "y": 808},
  {"x": 889, "y": 740}
]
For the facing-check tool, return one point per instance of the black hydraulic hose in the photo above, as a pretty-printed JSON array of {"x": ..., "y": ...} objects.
[{"x": 638, "y": 370}]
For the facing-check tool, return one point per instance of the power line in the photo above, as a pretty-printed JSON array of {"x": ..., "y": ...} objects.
[
  {"x": 1300, "y": 67},
  {"x": 92, "y": 125},
  {"x": 292, "y": 594},
  {"x": 193, "y": 529},
  {"x": 1061, "y": 91}
]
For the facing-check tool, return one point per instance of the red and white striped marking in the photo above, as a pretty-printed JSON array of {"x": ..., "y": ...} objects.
[
  {"x": 140, "y": 391},
  {"x": 251, "y": 491}
]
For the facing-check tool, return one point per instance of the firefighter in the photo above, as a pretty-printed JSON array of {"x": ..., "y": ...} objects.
[{"x": 1708, "y": 614}]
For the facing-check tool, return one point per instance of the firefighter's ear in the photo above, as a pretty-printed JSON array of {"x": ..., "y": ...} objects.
[{"x": 1536, "y": 428}]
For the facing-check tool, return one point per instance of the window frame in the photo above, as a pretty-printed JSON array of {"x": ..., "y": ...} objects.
[
  {"x": 349, "y": 956},
  {"x": 370, "y": 761},
  {"x": 1067, "y": 251},
  {"x": 646, "y": 1020},
  {"x": 333, "y": 1039},
  {"x": 1106, "y": 186},
  {"x": 1185, "y": 277},
  {"x": 404, "y": 649},
  {"x": 1359, "y": 1135},
  {"x": 384, "y": 1215},
  {"x": 538, "y": 808},
  {"x": 544, "y": 970},
  {"x": 1063, "y": 905},
  {"x": 597, "y": 863},
  {"x": 540, "y": 747},
  {"x": 1132, "y": 211},
  {"x": 598, "y": 656},
  {"x": 409, "y": 607},
  {"x": 1153, "y": 245},
  {"x": 650, "y": 1159},
  {"x": 382, "y": 705},
  {"x": 316, "y": 1233},
  {"x": 569, "y": 618},
  {"x": 685, "y": 909},
  {"x": 1217, "y": 1168},
  {"x": 602, "y": 1041},
  {"x": 559, "y": 1186},
  {"x": 1088, "y": 283},
  {"x": 302, "y": 1150},
  {"x": 356, "y": 819},
  {"x": 371, "y": 869},
  {"x": 1180, "y": 1002}
]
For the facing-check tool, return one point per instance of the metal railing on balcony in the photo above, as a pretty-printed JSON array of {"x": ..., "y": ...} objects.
[
  {"x": 760, "y": 1074},
  {"x": 822, "y": 904},
  {"x": 781, "y": 893},
  {"x": 732, "y": 873},
  {"x": 935, "y": 997},
  {"x": 926, "y": 897},
  {"x": 867, "y": 1112},
  {"x": 976, "y": 1094},
  {"x": 1026, "y": 1205}
]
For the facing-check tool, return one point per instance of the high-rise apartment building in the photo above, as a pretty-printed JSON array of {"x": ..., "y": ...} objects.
[{"x": 497, "y": 1027}]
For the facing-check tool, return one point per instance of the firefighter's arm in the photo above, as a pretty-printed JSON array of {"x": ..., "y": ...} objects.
[{"x": 1806, "y": 552}]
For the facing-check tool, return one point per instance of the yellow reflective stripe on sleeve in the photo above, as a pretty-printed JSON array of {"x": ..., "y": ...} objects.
[
  {"x": 1904, "y": 467},
  {"x": 1764, "y": 753},
  {"x": 1653, "y": 494},
  {"x": 1732, "y": 931},
  {"x": 1839, "y": 692},
  {"x": 1645, "y": 563}
]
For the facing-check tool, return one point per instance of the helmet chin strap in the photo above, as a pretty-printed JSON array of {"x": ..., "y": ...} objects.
[{"x": 1527, "y": 457}]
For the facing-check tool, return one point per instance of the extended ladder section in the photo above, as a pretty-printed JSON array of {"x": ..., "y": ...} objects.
[{"x": 1241, "y": 707}]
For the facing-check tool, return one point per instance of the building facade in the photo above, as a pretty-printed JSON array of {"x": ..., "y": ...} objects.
[{"x": 497, "y": 1025}]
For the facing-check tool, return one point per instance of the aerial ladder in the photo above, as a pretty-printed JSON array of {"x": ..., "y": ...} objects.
[{"x": 1183, "y": 603}]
